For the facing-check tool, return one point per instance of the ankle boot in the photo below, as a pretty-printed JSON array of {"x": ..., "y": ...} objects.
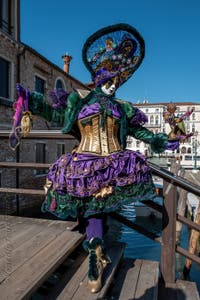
[{"x": 98, "y": 260}]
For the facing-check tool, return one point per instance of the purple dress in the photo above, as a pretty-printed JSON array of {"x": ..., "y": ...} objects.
[{"x": 100, "y": 175}]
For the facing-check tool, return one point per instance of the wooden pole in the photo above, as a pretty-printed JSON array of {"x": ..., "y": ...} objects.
[
  {"x": 182, "y": 199},
  {"x": 169, "y": 233},
  {"x": 194, "y": 237}
]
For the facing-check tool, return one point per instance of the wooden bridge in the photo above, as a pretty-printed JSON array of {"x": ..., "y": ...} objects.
[{"x": 44, "y": 259}]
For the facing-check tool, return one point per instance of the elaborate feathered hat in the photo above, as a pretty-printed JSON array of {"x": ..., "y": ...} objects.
[{"x": 116, "y": 50}]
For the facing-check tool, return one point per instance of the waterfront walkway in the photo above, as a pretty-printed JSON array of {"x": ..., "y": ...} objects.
[{"x": 44, "y": 259}]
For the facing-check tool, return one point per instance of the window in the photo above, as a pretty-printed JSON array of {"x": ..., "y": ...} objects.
[
  {"x": 5, "y": 73},
  {"x": 5, "y": 16},
  {"x": 138, "y": 144},
  {"x": 39, "y": 85},
  {"x": 193, "y": 116},
  {"x": 188, "y": 157},
  {"x": 151, "y": 120},
  {"x": 193, "y": 127},
  {"x": 183, "y": 150},
  {"x": 40, "y": 156},
  {"x": 59, "y": 84},
  {"x": 196, "y": 157},
  {"x": 188, "y": 127},
  {"x": 60, "y": 149},
  {"x": 157, "y": 120},
  {"x": 146, "y": 110}
]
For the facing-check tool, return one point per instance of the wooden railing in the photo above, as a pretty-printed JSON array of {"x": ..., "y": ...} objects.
[{"x": 168, "y": 210}]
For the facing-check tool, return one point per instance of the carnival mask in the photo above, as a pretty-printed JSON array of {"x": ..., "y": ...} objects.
[
  {"x": 108, "y": 90},
  {"x": 110, "y": 86}
]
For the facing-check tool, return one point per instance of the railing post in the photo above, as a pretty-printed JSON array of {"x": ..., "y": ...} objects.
[
  {"x": 168, "y": 233},
  {"x": 17, "y": 180}
]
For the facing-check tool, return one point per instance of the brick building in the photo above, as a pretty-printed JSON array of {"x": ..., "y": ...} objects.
[{"x": 20, "y": 63}]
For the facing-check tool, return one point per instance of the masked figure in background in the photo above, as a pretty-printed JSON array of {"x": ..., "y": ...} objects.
[
  {"x": 176, "y": 123},
  {"x": 93, "y": 179}
]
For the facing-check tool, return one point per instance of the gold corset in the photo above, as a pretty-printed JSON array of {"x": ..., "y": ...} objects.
[{"x": 101, "y": 140}]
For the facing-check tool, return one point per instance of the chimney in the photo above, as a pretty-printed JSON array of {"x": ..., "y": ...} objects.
[{"x": 66, "y": 59}]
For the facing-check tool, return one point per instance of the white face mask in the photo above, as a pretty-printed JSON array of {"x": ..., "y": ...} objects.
[{"x": 108, "y": 90}]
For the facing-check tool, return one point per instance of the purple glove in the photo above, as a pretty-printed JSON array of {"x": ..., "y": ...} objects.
[{"x": 172, "y": 145}]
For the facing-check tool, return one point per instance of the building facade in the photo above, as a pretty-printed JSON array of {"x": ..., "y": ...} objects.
[
  {"x": 19, "y": 63},
  {"x": 189, "y": 150}
]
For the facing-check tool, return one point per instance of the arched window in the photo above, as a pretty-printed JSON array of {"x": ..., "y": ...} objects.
[
  {"x": 59, "y": 84},
  {"x": 189, "y": 150},
  {"x": 151, "y": 119},
  {"x": 183, "y": 150}
]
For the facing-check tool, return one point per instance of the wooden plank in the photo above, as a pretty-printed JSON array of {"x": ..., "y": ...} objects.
[
  {"x": 22, "y": 191},
  {"x": 186, "y": 290},
  {"x": 73, "y": 265},
  {"x": 69, "y": 225},
  {"x": 126, "y": 281},
  {"x": 137, "y": 279},
  {"x": 147, "y": 285},
  {"x": 188, "y": 222},
  {"x": 41, "y": 134},
  {"x": 25, "y": 251},
  {"x": 77, "y": 288},
  {"x": 18, "y": 236},
  {"x": 168, "y": 292},
  {"x": 23, "y": 165},
  {"x": 11, "y": 228},
  {"x": 187, "y": 254},
  {"x": 27, "y": 278},
  {"x": 22, "y": 234}
]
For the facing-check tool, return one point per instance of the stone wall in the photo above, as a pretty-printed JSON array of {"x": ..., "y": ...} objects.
[{"x": 26, "y": 63}]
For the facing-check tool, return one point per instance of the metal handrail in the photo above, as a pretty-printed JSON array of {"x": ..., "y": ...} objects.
[{"x": 174, "y": 179}]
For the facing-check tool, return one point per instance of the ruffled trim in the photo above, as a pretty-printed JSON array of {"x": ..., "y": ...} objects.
[
  {"x": 83, "y": 175},
  {"x": 65, "y": 205},
  {"x": 159, "y": 142}
]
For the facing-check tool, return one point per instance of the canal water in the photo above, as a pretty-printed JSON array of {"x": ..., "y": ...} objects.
[{"x": 139, "y": 246}]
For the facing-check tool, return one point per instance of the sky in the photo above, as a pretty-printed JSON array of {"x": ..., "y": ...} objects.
[{"x": 170, "y": 70}]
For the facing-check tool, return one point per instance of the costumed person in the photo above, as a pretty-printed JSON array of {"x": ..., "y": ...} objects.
[
  {"x": 176, "y": 123},
  {"x": 93, "y": 179}
]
